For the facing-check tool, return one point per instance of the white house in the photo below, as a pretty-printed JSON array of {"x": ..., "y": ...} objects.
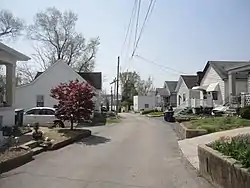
[
  {"x": 166, "y": 96},
  {"x": 184, "y": 90},
  {"x": 143, "y": 102},
  {"x": 221, "y": 81},
  {"x": 37, "y": 93},
  {"x": 9, "y": 57}
]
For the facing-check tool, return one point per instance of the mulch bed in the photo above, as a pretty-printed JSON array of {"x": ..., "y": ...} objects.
[
  {"x": 11, "y": 153},
  {"x": 13, "y": 157},
  {"x": 64, "y": 137}
]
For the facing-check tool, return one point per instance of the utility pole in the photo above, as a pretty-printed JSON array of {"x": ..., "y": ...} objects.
[
  {"x": 115, "y": 93},
  {"x": 111, "y": 102},
  {"x": 113, "y": 96},
  {"x": 117, "y": 85}
]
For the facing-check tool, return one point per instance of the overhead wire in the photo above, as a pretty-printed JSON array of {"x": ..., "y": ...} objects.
[
  {"x": 137, "y": 21},
  {"x": 148, "y": 14},
  {"x": 166, "y": 68},
  {"x": 129, "y": 32},
  {"x": 129, "y": 26},
  {"x": 159, "y": 65}
]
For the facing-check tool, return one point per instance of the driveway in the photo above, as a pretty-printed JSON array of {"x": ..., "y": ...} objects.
[{"x": 140, "y": 152}]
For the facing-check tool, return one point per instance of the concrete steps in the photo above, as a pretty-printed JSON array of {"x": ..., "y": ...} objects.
[{"x": 37, "y": 150}]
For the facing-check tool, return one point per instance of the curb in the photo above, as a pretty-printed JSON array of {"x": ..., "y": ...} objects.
[
  {"x": 70, "y": 141},
  {"x": 184, "y": 133},
  {"x": 16, "y": 162}
]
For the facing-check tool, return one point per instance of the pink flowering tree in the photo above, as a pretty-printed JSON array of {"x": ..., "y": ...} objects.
[{"x": 74, "y": 101}]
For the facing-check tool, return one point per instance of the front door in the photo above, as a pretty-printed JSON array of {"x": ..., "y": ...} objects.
[{"x": 179, "y": 100}]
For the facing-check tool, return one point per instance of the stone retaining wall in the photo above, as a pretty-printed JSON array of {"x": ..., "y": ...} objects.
[
  {"x": 15, "y": 162},
  {"x": 221, "y": 170},
  {"x": 70, "y": 140},
  {"x": 184, "y": 132}
]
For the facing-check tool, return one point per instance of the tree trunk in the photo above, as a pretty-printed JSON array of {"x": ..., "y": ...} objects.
[{"x": 71, "y": 124}]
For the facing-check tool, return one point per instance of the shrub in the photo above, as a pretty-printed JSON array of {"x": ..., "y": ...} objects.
[
  {"x": 148, "y": 111},
  {"x": 237, "y": 147},
  {"x": 111, "y": 114},
  {"x": 245, "y": 112}
]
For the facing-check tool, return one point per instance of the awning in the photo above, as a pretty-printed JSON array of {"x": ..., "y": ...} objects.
[
  {"x": 213, "y": 87},
  {"x": 201, "y": 88}
]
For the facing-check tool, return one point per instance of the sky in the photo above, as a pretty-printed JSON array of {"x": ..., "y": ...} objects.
[{"x": 180, "y": 34}]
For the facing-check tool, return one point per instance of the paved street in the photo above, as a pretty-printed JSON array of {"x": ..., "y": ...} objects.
[{"x": 140, "y": 152}]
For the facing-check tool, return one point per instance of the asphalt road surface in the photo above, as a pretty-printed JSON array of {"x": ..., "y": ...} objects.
[{"x": 137, "y": 153}]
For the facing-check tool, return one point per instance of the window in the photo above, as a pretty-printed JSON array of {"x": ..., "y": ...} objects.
[
  {"x": 146, "y": 105},
  {"x": 40, "y": 100},
  {"x": 184, "y": 97},
  {"x": 48, "y": 112},
  {"x": 215, "y": 95},
  {"x": 204, "y": 95},
  {"x": 33, "y": 111}
]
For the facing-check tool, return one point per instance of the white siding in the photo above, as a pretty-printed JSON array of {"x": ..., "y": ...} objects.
[
  {"x": 182, "y": 90},
  {"x": 241, "y": 86},
  {"x": 26, "y": 95},
  {"x": 211, "y": 77},
  {"x": 173, "y": 99},
  {"x": 194, "y": 94},
  {"x": 140, "y": 101}
]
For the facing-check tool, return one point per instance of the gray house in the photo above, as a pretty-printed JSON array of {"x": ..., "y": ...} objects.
[{"x": 166, "y": 96}]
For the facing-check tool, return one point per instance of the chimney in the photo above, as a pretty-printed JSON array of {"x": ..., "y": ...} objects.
[{"x": 199, "y": 77}]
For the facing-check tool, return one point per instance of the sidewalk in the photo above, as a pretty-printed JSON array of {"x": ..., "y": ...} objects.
[{"x": 189, "y": 146}]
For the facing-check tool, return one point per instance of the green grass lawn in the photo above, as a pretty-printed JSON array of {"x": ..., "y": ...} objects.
[
  {"x": 113, "y": 120},
  {"x": 215, "y": 124},
  {"x": 155, "y": 113}
]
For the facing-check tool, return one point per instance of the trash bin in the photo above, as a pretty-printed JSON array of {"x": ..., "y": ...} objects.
[
  {"x": 19, "y": 117},
  {"x": 169, "y": 116}
]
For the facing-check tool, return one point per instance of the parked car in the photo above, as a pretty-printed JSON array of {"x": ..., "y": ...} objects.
[{"x": 45, "y": 116}]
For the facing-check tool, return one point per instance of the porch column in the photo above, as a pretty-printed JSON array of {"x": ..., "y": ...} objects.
[
  {"x": 10, "y": 84},
  {"x": 231, "y": 86},
  {"x": 248, "y": 83}
]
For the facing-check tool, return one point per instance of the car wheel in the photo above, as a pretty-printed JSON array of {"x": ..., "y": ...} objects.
[{"x": 59, "y": 124}]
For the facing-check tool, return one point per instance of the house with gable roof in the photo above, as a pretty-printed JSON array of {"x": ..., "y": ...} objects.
[
  {"x": 223, "y": 82},
  {"x": 37, "y": 93},
  {"x": 184, "y": 92},
  {"x": 8, "y": 57},
  {"x": 166, "y": 96}
]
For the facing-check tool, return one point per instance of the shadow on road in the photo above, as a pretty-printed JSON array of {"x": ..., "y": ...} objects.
[{"x": 94, "y": 140}]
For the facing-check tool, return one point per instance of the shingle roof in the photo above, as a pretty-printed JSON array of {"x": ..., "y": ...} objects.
[
  {"x": 221, "y": 67},
  {"x": 190, "y": 80},
  {"x": 162, "y": 92},
  {"x": 93, "y": 78},
  {"x": 171, "y": 85}
]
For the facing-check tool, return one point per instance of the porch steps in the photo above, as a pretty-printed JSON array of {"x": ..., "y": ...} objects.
[
  {"x": 37, "y": 150},
  {"x": 182, "y": 111},
  {"x": 31, "y": 144}
]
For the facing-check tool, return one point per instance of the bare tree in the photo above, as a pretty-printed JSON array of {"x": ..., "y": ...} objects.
[
  {"x": 145, "y": 87},
  {"x": 10, "y": 26},
  {"x": 56, "y": 38},
  {"x": 26, "y": 73}
]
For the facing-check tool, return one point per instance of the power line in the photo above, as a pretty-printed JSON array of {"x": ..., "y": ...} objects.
[
  {"x": 162, "y": 66},
  {"x": 137, "y": 21},
  {"x": 148, "y": 14},
  {"x": 129, "y": 32},
  {"x": 129, "y": 25}
]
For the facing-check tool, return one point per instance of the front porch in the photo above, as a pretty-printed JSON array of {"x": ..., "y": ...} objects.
[
  {"x": 210, "y": 96},
  {"x": 8, "y": 59},
  {"x": 239, "y": 97}
]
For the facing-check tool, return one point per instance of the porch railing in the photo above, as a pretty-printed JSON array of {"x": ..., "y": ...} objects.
[{"x": 196, "y": 103}]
